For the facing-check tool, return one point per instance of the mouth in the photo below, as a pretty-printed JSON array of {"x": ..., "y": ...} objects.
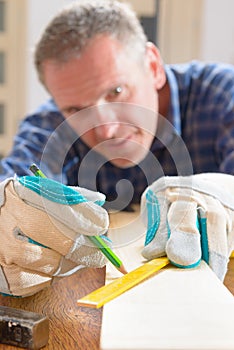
[
  {"x": 125, "y": 151},
  {"x": 119, "y": 141},
  {"x": 121, "y": 149}
]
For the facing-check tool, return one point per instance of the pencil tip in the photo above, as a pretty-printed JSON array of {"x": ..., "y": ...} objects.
[{"x": 122, "y": 270}]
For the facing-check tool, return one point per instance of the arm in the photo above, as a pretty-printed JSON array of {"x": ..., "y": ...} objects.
[
  {"x": 220, "y": 92},
  {"x": 42, "y": 140},
  {"x": 224, "y": 143}
]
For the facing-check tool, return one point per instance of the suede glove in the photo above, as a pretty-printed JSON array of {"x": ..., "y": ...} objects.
[
  {"x": 190, "y": 218},
  {"x": 43, "y": 232}
]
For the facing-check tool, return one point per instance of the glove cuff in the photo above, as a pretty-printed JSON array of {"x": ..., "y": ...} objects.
[{"x": 209, "y": 183}]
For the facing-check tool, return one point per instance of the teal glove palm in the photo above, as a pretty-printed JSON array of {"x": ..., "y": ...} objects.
[
  {"x": 43, "y": 232},
  {"x": 189, "y": 219}
]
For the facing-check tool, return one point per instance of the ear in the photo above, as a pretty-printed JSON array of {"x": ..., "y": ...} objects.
[{"x": 155, "y": 64}]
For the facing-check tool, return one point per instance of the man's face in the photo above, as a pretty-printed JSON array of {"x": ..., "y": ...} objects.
[{"x": 110, "y": 98}]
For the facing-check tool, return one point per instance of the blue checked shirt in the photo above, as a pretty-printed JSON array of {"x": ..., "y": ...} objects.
[{"x": 197, "y": 136}]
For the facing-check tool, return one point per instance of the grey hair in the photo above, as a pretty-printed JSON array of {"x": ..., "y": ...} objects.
[{"x": 71, "y": 29}]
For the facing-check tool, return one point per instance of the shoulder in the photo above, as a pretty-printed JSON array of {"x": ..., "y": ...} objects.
[
  {"x": 46, "y": 116},
  {"x": 47, "y": 106},
  {"x": 210, "y": 83},
  {"x": 209, "y": 72}
]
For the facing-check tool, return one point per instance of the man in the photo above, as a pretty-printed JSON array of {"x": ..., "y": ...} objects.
[
  {"x": 119, "y": 119},
  {"x": 88, "y": 57}
]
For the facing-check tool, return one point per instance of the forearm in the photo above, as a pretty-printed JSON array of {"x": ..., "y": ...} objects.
[{"x": 32, "y": 145}]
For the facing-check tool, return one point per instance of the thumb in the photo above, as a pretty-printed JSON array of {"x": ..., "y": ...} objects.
[
  {"x": 154, "y": 212},
  {"x": 183, "y": 247}
]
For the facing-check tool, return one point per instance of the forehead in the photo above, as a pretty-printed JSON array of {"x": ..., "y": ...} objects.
[
  {"x": 104, "y": 62},
  {"x": 101, "y": 51}
]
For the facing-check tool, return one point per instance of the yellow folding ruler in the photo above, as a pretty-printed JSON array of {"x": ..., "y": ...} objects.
[{"x": 103, "y": 295}]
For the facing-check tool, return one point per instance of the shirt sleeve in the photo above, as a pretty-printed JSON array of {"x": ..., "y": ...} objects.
[
  {"x": 40, "y": 139},
  {"x": 225, "y": 136}
]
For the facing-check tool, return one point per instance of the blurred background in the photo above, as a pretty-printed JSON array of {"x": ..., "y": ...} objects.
[{"x": 182, "y": 29}]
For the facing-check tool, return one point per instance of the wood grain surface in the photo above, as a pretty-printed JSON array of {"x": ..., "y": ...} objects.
[
  {"x": 71, "y": 327},
  {"x": 229, "y": 278}
]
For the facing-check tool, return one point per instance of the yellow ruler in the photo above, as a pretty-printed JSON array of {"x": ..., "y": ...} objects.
[{"x": 103, "y": 295}]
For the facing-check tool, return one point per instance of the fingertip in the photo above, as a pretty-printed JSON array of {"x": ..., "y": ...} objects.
[{"x": 184, "y": 249}]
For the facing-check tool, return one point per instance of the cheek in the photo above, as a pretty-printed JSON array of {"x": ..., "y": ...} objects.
[
  {"x": 146, "y": 112},
  {"x": 89, "y": 138},
  {"x": 146, "y": 94}
]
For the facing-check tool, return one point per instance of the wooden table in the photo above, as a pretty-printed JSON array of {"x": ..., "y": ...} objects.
[{"x": 73, "y": 327}]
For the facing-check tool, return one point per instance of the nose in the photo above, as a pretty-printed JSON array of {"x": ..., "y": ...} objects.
[
  {"x": 107, "y": 130},
  {"x": 106, "y": 124}
]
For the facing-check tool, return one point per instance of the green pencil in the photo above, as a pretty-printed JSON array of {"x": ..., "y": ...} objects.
[
  {"x": 97, "y": 240},
  {"x": 36, "y": 171}
]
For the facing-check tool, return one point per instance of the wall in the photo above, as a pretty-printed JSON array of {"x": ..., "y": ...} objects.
[
  {"x": 13, "y": 69},
  {"x": 39, "y": 14},
  {"x": 179, "y": 29},
  {"x": 217, "y": 41}
]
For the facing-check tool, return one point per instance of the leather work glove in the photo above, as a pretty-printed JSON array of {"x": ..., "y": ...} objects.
[
  {"x": 190, "y": 218},
  {"x": 43, "y": 232}
]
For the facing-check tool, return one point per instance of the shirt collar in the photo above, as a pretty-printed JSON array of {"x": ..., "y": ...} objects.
[
  {"x": 169, "y": 126},
  {"x": 174, "y": 110}
]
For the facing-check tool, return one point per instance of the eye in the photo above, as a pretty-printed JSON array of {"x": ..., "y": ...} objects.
[
  {"x": 117, "y": 90},
  {"x": 114, "y": 93}
]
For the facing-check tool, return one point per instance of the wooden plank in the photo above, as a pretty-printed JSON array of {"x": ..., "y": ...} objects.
[{"x": 176, "y": 309}]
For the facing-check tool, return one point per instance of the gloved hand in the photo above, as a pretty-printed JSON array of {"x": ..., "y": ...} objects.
[
  {"x": 43, "y": 232},
  {"x": 190, "y": 218}
]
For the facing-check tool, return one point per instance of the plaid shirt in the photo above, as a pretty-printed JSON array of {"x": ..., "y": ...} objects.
[{"x": 197, "y": 136}]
